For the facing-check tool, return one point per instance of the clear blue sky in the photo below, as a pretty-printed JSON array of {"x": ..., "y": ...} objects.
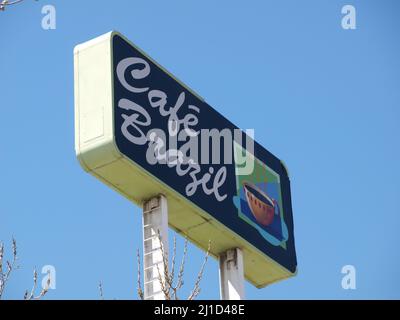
[{"x": 324, "y": 99}]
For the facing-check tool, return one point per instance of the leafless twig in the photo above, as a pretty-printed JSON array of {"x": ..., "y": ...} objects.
[
  {"x": 6, "y": 3},
  {"x": 196, "y": 289},
  {"x": 164, "y": 286},
  {"x": 166, "y": 283},
  {"x": 139, "y": 284},
  {"x": 169, "y": 288},
  {"x": 172, "y": 273},
  {"x": 31, "y": 295},
  {"x": 101, "y": 290},
  {"x": 11, "y": 266},
  {"x": 179, "y": 283}
]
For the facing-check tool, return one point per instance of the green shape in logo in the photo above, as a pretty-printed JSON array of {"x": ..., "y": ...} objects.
[{"x": 258, "y": 198}]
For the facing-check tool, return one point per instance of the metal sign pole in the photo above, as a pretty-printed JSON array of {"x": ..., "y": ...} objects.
[
  {"x": 231, "y": 275},
  {"x": 155, "y": 220}
]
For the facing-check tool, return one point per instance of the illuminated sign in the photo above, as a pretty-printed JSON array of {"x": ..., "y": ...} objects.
[{"x": 143, "y": 132}]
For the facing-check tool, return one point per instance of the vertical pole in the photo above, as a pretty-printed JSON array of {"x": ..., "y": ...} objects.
[
  {"x": 155, "y": 219},
  {"x": 231, "y": 274}
]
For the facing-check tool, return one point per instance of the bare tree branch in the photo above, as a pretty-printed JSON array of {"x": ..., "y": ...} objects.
[
  {"x": 196, "y": 289},
  {"x": 31, "y": 295},
  {"x": 101, "y": 290},
  {"x": 45, "y": 289},
  {"x": 172, "y": 274},
  {"x": 182, "y": 266},
  {"x": 166, "y": 282},
  {"x": 139, "y": 284},
  {"x": 11, "y": 266},
  {"x": 6, "y": 3},
  {"x": 163, "y": 283},
  {"x": 168, "y": 287}
]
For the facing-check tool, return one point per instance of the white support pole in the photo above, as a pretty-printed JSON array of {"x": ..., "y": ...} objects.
[
  {"x": 231, "y": 275},
  {"x": 155, "y": 219}
]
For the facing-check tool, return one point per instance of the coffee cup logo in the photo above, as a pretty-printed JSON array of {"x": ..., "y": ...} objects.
[
  {"x": 259, "y": 200},
  {"x": 261, "y": 205}
]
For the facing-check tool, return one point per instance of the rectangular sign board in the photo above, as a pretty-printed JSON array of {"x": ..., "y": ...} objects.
[{"x": 143, "y": 133}]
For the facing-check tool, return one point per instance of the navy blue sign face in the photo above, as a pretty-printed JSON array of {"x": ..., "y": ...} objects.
[{"x": 177, "y": 137}]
